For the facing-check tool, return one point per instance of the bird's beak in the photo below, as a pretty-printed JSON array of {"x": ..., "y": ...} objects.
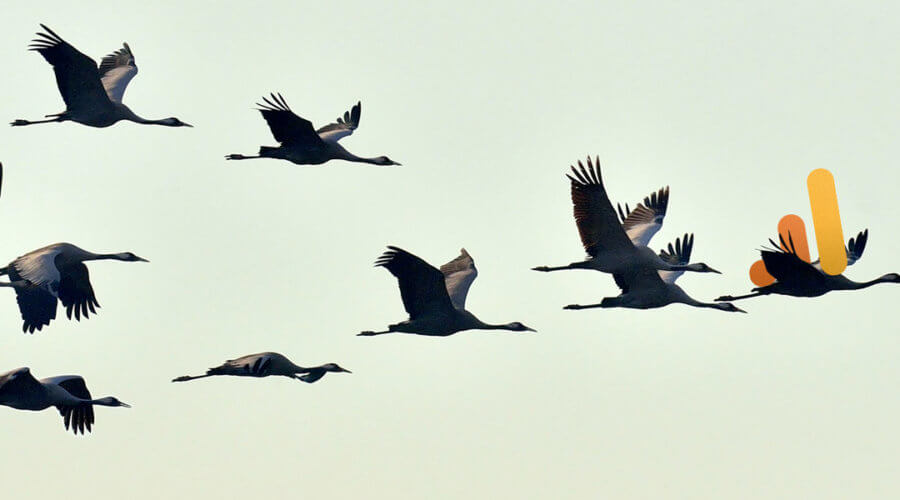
[
  {"x": 141, "y": 259},
  {"x": 530, "y": 330},
  {"x": 345, "y": 370},
  {"x": 187, "y": 125},
  {"x": 714, "y": 271},
  {"x": 398, "y": 164},
  {"x": 740, "y": 310},
  {"x": 125, "y": 405}
]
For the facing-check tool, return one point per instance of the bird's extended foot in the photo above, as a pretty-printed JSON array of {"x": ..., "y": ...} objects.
[
  {"x": 574, "y": 306},
  {"x": 542, "y": 269},
  {"x": 235, "y": 156},
  {"x": 368, "y": 333},
  {"x": 19, "y": 123}
]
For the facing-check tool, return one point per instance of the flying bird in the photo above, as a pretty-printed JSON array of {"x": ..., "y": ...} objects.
[
  {"x": 615, "y": 246},
  {"x": 93, "y": 95},
  {"x": 265, "y": 364},
  {"x": 799, "y": 278},
  {"x": 647, "y": 288},
  {"x": 303, "y": 145},
  {"x": 68, "y": 393},
  {"x": 55, "y": 272},
  {"x": 435, "y": 299}
]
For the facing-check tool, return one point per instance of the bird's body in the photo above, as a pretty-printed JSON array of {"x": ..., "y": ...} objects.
[
  {"x": 614, "y": 246},
  {"x": 266, "y": 364},
  {"x": 647, "y": 288},
  {"x": 93, "y": 95},
  {"x": 303, "y": 145},
  {"x": 55, "y": 272},
  {"x": 68, "y": 393},
  {"x": 797, "y": 278},
  {"x": 435, "y": 299}
]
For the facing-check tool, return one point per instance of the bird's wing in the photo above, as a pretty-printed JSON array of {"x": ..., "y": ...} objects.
[
  {"x": 287, "y": 128},
  {"x": 37, "y": 305},
  {"x": 116, "y": 70},
  {"x": 76, "y": 292},
  {"x": 646, "y": 219},
  {"x": 422, "y": 287},
  {"x": 787, "y": 267},
  {"x": 39, "y": 267},
  {"x": 678, "y": 255},
  {"x": 251, "y": 364},
  {"x": 18, "y": 381},
  {"x": 643, "y": 279},
  {"x": 595, "y": 217},
  {"x": 854, "y": 249},
  {"x": 77, "y": 75},
  {"x": 459, "y": 274},
  {"x": 79, "y": 417},
  {"x": 343, "y": 127}
]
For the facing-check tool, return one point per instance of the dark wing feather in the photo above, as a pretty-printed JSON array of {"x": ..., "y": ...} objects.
[
  {"x": 643, "y": 278},
  {"x": 77, "y": 75},
  {"x": 597, "y": 222},
  {"x": 680, "y": 253},
  {"x": 36, "y": 304},
  {"x": 287, "y": 128},
  {"x": 17, "y": 382},
  {"x": 76, "y": 292},
  {"x": 422, "y": 286},
  {"x": 80, "y": 417},
  {"x": 855, "y": 247},
  {"x": 788, "y": 268}
]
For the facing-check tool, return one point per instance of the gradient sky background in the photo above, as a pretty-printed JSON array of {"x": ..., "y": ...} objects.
[{"x": 486, "y": 106}]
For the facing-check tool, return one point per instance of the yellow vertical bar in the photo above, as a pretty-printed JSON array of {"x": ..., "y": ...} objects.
[{"x": 827, "y": 221}]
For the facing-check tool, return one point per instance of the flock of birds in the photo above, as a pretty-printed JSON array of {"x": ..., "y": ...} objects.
[{"x": 615, "y": 240}]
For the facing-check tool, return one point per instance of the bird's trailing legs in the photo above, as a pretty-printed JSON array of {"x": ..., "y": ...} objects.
[
  {"x": 546, "y": 269},
  {"x": 22, "y": 123},
  {"x": 606, "y": 302},
  {"x": 730, "y": 298},
  {"x": 238, "y": 156},
  {"x": 185, "y": 378},
  {"x": 370, "y": 333}
]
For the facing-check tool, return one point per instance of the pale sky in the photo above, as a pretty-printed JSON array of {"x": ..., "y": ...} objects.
[{"x": 486, "y": 106}]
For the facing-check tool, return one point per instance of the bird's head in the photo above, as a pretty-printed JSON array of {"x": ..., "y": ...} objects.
[
  {"x": 890, "y": 278},
  {"x": 728, "y": 306},
  {"x": 130, "y": 257},
  {"x": 519, "y": 327},
  {"x": 700, "y": 267},
  {"x": 174, "y": 122},
  {"x": 384, "y": 160},
  {"x": 333, "y": 367},
  {"x": 111, "y": 401}
]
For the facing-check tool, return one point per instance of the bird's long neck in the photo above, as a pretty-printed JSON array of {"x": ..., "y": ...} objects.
[
  {"x": 128, "y": 114},
  {"x": 842, "y": 283},
  {"x": 103, "y": 256},
  {"x": 343, "y": 154},
  {"x": 680, "y": 295},
  {"x": 106, "y": 401}
]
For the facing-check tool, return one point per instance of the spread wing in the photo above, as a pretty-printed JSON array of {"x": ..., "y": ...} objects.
[
  {"x": 116, "y": 70},
  {"x": 287, "y": 128},
  {"x": 79, "y": 417},
  {"x": 343, "y": 127},
  {"x": 854, "y": 249},
  {"x": 76, "y": 292},
  {"x": 459, "y": 274},
  {"x": 787, "y": 267},
  {"x": 77, "y": 76},
  {"x": 39, "y": 267},
  {"x": 18, "y": 382},
  {"x": 422, "y": 287},
  {"x": 36, "y": 304},
  {"x": 646, "y": 219},
  {"x": 597, "y": 223},
  {"x": 679, "y": 255}
]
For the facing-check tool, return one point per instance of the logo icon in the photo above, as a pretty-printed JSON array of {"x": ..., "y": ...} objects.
[{"x": 826, "y": 222}]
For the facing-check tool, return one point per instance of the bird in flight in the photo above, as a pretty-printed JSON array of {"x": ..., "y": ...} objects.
[
  {"x": 265, "y": 364},
  {"x": 435, "y": 298},
  {"x": 93, "y": 95},
  {"x": 301, "y": 143}
]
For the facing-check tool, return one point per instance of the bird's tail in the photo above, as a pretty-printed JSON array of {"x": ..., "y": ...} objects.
[{"x": 4, "y": 271}]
